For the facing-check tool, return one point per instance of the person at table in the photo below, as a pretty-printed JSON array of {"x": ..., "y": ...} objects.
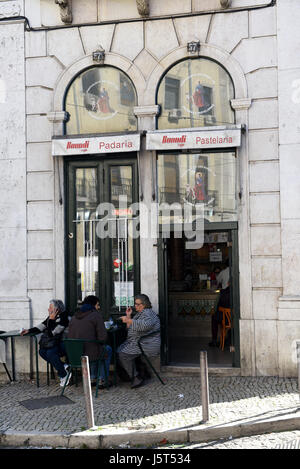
[
  {"x": 145, "y": 321},
  {"x": 216, "y": 319},
  {"x": 88, "y": 323},
  {"x": 51, "y": 346}
]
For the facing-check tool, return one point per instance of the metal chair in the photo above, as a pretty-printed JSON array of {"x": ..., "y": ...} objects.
[
  {"x": 146, "y": 356},
  {"x": 225, "y": 326},
  {"x": 75, "y": 350},
  {"x": 4, "y": 364}
]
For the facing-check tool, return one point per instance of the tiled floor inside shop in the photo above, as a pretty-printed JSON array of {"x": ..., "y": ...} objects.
[{"x": 186, "y": 351}]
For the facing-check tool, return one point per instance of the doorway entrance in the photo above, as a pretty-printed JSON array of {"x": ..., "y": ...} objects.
[
  {"x": 190, "y": 293},
  {"x": 102, "y": 257}
]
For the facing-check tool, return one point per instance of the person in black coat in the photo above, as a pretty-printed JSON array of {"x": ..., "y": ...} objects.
[{"x": 52, "y": 329}]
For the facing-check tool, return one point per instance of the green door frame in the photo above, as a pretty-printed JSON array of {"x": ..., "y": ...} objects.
[
  {"x": 102, "y": 164},
  {"x": 232, "y": 228}
]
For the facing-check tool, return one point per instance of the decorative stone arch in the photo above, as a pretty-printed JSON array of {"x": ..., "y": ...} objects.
[
  {"x": 207, "y": 51},
  {"x": 57, "y": 116}
]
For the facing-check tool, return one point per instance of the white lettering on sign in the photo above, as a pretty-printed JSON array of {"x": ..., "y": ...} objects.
[
  {"x": 92, "y": 145},
  {"x": 193, "y": 139}
]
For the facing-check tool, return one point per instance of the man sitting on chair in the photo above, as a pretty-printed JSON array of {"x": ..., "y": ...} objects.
[
  {"x": 88, "y": 323},
  {"x": 144, "y": 322}
]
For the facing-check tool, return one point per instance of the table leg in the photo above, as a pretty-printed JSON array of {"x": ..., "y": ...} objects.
[
  {"x": 37, "y": 361},
  {"x": 12, "y": 343}
]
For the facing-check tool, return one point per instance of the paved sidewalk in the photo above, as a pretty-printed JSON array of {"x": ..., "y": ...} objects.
[{"x": 152, "y": 414}]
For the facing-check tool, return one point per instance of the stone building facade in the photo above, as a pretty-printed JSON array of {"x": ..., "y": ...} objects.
[{"x": 46, "y": 44}]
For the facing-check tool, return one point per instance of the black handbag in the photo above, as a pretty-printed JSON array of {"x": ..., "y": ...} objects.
[{"x": 47, "y": 342}]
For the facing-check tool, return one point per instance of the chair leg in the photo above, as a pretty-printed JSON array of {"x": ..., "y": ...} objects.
[
  {"x": 152, "y": 368},
  {"x": 7, "y": 372}
]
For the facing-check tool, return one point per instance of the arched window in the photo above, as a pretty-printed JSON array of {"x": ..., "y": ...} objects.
[
  {"x": 195, "y": 93},
  {"x": 101, "y": 100}
]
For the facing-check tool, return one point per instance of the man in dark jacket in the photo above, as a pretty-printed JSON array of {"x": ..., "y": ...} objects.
[{"x": 88, "y": 323}]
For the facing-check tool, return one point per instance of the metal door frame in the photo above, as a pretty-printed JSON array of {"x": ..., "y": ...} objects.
[
  {"x": 102, "y": 164},
  {"x": 232, "y": 229}
]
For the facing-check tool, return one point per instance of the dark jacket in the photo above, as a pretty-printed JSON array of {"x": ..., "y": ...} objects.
[
  {"x": 88, "y": 323},
  {"x": 52, "y": 327}
]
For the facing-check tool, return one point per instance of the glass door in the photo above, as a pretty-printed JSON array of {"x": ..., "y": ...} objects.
[{"x": 102, "y": 254}]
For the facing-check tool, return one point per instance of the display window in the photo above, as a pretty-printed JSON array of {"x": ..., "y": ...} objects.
[
  {"x": 195, "y": 93},
  {"x": 101, "y": 100}
]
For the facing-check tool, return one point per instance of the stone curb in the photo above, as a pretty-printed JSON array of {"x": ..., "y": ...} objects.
[{"x": 99, "y": 439}]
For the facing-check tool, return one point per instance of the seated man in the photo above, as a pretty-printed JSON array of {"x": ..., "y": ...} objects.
[
  {"x": 51, "y": 346},
  {"x": 144, "y": 322},
  {"x": 88, "y": 323}
]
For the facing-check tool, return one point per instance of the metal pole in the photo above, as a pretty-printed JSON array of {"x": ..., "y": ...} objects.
[
  {"x": 298, "y": 363},
  {"x": 87, "y": 391},
  {"x": 204, "y": 385}
]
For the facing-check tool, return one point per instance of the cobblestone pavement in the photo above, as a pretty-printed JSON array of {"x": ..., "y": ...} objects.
[
  {"x": 151, "y": 407},
  {"x": 282, "y": 440}
]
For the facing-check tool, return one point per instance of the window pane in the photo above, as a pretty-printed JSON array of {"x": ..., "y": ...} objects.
[
  {"x": 123, "y": 267},
  {"x": 193, "y": 179},
  {"x": 86, "y": 243},
  {"x": 121, "y": 184},
  {"x": 101, "y": 100},
  {"x": 195, "y": 93}
]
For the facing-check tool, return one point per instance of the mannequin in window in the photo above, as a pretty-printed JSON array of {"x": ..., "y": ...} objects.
[{"x": 198, "y": 97}]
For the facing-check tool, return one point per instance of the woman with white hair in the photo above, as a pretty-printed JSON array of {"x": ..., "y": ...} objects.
[
  {"x": 52, "y": 329},
  {"x": 145, "y": 321}
]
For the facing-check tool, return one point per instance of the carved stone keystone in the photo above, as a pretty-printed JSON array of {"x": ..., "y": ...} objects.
[
  {"x": 225, "y": 3},
  {"x": 143, "y": 7},
  {"x": 65, "y": 10}
]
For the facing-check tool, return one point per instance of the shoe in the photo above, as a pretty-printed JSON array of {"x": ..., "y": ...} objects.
[
  {"x": 65, "y": 380},
  {"x": 101, "y": 384},
  {"x": 137, "y": 382},
  {"x": 213, "y": 343}
]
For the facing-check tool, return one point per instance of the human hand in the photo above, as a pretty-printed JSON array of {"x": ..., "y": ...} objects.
[
  {"x": 53, "y": 314},
  {"x": 24, "y": 332},
  {"x": 127, "y": 320},
  {"x": 129, "y": 311}
]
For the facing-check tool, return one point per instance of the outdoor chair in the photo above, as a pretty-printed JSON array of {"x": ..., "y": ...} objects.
[
  {"x": 75, "y": 350},
  {"x": 225, "y": 326},
  {"x": 146, "y": 356},
  {"x": 3, "y": 358}
]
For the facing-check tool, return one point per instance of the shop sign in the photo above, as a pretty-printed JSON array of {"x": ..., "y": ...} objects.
[
  {"x": 208, "y": 137},
  {"x": 96, "y": 145}
]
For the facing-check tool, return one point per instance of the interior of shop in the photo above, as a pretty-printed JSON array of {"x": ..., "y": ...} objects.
[{"x": 194, "y": 288}]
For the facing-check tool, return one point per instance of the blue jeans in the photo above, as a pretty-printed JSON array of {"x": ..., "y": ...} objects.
[
  {"x": 52, "y": 355},
  {"x": 94, "y": 365}
]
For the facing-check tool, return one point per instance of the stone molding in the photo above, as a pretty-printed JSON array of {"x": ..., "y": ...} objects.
[
  {"x": 11, "y": 9},
  {"x": 57, "y": 116},
  {"x": 241, "y": 104},
  {"x": 146, "y": 111}
]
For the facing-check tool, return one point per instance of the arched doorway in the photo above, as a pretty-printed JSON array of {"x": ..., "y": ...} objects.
[{"x": 195, "y": 99}]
